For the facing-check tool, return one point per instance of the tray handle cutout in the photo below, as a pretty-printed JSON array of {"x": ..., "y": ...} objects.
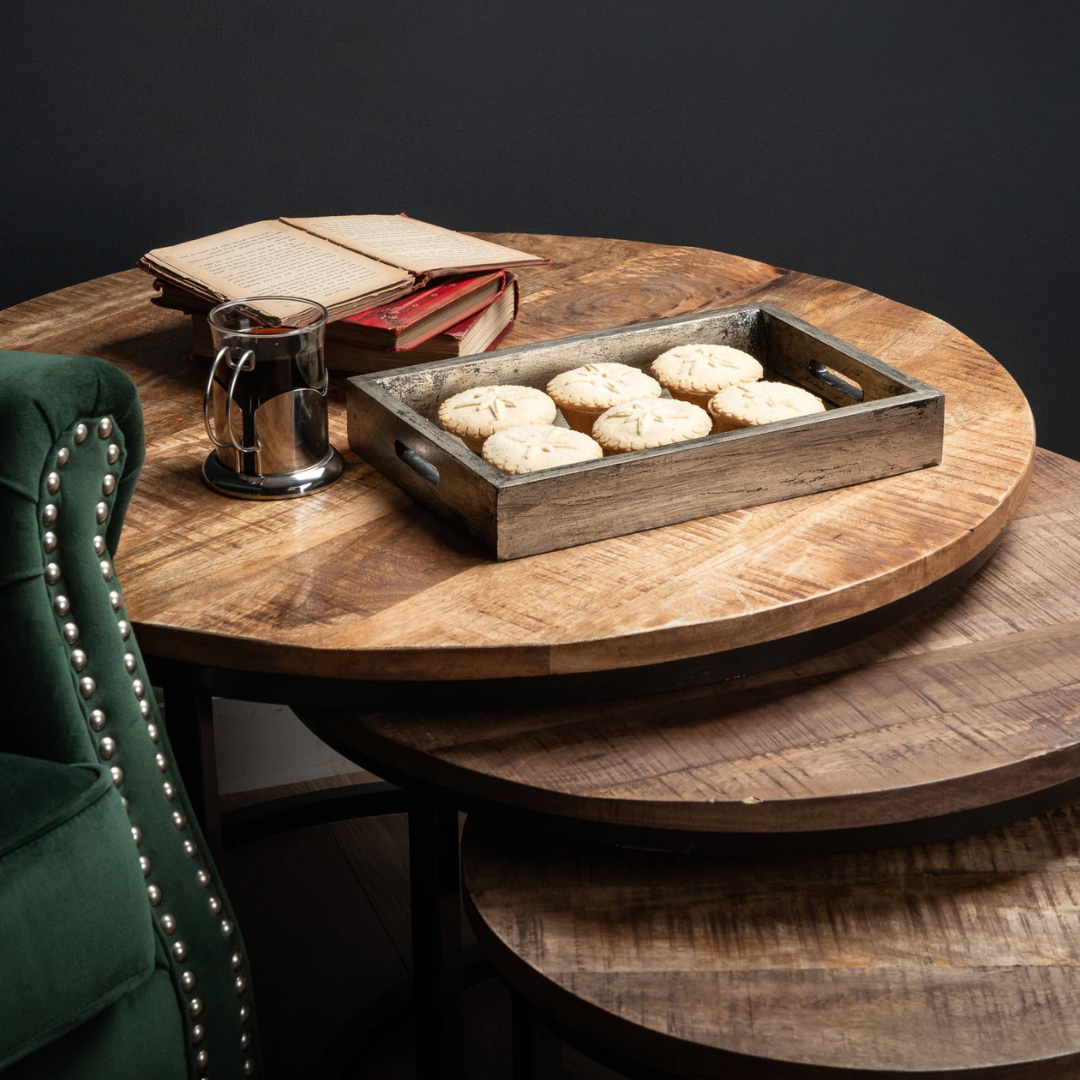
[
  {"x": 836, "y": 380},
  {"x": 417, "y": 463}
]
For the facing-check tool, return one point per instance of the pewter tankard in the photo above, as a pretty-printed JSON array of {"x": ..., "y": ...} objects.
[{"x": 265, "y": 400}]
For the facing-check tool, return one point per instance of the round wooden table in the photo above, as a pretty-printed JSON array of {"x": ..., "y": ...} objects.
[
  {"x": 359, "y": 583},
  {"x": 948, "y": 961},
  {"x": 962, "y": 716}
]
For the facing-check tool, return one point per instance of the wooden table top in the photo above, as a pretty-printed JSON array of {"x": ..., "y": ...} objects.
[
  {"x": 951, "y": 961},
  {"x": 358, "y": 582},
  {"x": 962, "y": 715}
]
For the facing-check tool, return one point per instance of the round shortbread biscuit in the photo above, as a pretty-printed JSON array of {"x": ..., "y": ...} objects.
[
  {"x": 697, "y": 372},
  {"x": 528, "y": 449},
  {"x": 639, "y": 425},
  {"x": 753, "y": 404},
  {"x": 475, "y": 414},
  {"x": 585, "y": 392}
]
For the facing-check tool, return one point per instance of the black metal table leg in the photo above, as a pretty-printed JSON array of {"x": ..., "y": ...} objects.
[
  {"x": 537, "y": 1053},
  {"x": 436, "y": 932}
]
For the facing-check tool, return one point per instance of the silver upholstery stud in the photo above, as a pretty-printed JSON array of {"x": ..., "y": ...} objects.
[
  {"x": 52, "y": 573},
  {"x": 101, "y": 513},
  {"x": 227, "y": 929},
  {"x": 144, "y": 865},
  {"x": 48, "y": 514},
  {"x": 78, "y": 659},
  {"x": 138, "y": 687},
  {"x": 96, "y": 719},
  {"x": 245, "y": 1013},
  {"x": 104, "y": 428},
  {"x": 106, "y": 569},
  {"x": 61, "y": 605},
  {"x": 240, "y": 985},
  {"x": 107, "y": 747},
  {"x": 117, "y": 775},
  {"x": 52, "y": 483},
  {"x": 215, "y": 905},
  {"x": 195, "y": 1007},
  {"x": 161, "y": 761},
  {"x": 168, "y": 924},
  {"x": 87, "y": 686},
  {"x": 169, "y": 790},
  {"x": 99, "y": 545},
  {"x": 153, "y": 894},
  {"x": 49, "y": 542},
  {"x": 114, "y": 599},
  {"x": 145, "y": 709},
  {"x": 124, "y": 627},
  {"x": 245, "y": 1040},
  {"x": 203, "y": 877},
  {"x": 152, "y": 731},
  {"x": 112, "y": 455},
  {"x": 249, "y": 1067},
  {"x": 81, "y": 431},
  {"x": 179, "y": 951},
  {"x": 237, "y": 961},
  {"x": 62, "y": 456},
  {"x": 198, "y": 1033},
  {"x": 190, "y": 850},
  {"x": 187, "y": 979},
  {"x": 70, "y": 632},
  {"x": 130, "y": 663},
  {"x": 108, "y": 484},
  {"x": 136, "y": 834},
  {"x": 125, "y": 804},
  {"x": 202, "y": 1059},
  {"x": 178, "y": 819}
]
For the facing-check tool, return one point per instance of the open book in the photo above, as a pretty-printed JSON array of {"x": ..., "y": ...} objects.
[{"x": 347, "y": 264}]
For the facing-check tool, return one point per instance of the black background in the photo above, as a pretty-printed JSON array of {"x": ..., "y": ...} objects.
[{"x": 927, "y": 151}]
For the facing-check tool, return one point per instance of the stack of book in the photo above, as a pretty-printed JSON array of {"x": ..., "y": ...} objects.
[{"x": 398, "y": 291}]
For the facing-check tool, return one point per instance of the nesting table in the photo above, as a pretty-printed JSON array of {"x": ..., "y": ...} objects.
[{"x": 584, "y": 690}]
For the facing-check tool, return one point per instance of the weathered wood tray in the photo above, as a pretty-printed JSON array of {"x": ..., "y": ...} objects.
[{"x": 878, "y": 422}]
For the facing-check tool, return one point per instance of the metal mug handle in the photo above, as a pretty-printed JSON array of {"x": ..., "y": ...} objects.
[
  {"x": 222, "y": 353},
  {"x": 245, "y": 363}
]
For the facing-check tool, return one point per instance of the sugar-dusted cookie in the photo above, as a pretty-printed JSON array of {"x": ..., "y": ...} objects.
[
  {"x": 528, "y": 449},
  {"x": 697, "y": 372},
  {"x": 475, "y": 414},
  {"x": 752, "y": 404},
  {"x": 585, "y": 392},
  {"x": 638, "y": 425}
]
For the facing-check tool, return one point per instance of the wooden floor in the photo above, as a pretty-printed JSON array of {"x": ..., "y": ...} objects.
[{"x": 325, "y": 917}]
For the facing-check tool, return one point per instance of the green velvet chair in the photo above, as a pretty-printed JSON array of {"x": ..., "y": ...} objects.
[{"x": 120, "y": 956}]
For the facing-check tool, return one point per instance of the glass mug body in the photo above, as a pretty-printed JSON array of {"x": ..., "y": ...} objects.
[{"x": 265, "y": 402}]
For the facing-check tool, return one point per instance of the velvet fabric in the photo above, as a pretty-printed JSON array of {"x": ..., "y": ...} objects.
[
  {"x": 72, "y": 903},
  {"x": 76, "y": 692},
  {"x": 139, "y": 1037}
]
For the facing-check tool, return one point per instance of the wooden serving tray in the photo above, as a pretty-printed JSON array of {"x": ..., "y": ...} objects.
[{"x": 878, "y": 422}]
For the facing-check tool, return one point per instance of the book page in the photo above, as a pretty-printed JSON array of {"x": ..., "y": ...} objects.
[
  {"x": 415, "y": 245},
  {"x": 269, "y": 258}
]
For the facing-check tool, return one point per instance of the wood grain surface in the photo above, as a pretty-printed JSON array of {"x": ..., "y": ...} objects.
[
  {"x": 360, "y": 582},
  {"x": 951, "y": 960},
  {"x": 966, "y": 705}
]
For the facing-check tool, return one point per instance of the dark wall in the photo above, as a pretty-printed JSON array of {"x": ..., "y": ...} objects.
[{"x": 927, "y": 150}]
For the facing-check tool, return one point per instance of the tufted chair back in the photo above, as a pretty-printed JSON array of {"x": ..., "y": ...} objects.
[{"x": 76, "y": 695}]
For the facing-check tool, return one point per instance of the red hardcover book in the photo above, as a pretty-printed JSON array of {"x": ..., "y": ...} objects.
[
  {"x": 405, "y": 323},
  {"x": 480, "y": 332}
]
